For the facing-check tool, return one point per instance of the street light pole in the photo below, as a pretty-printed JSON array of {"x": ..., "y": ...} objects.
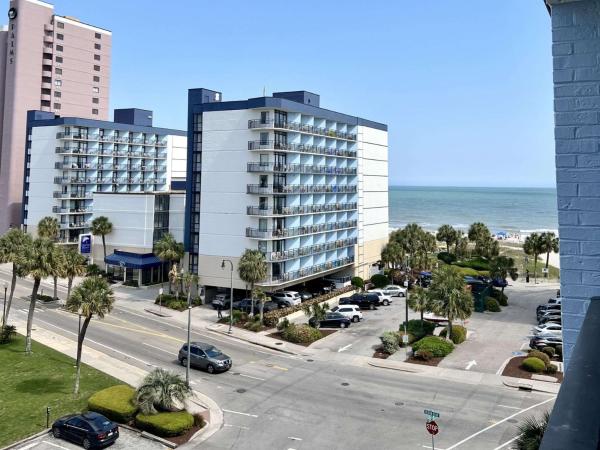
[
  {"x": 189, "y": 325},
  {"x": 230, "y": 292},
  {"x": 4, "y": 306}
]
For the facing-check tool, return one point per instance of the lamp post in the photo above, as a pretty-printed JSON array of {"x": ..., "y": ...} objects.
[
  {"x": 230, "y": 293},
  {"x": 160, "y": 294},
  {"x": 4, "y": 306},
  {"x": 189, "y": 325}
]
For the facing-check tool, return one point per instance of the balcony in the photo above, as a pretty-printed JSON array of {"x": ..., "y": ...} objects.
[
  {"x": 300, "y": 168},
  {"x": 59, "y": 210},
  {"x": 300, "y": 128},
  {"x": 302, "y": 273},
  {"x": 73, "y": 150},
  {"x": 299, "y": 210},
  {"x": 46, "y": 97},
  {"x": 75, "y": 166},
  {"x": 73, "y": 195},
  {"x": 49, "y": 39},
  {"x": 46, "y": 73},
  {"x": 300, "y": 189},
  {"x": 74, "y": 225},
  {"x": 112, "y": 139},
  {"x": 74, "y": 180},
  {"x": 301, "y": 148},
  {"x": 309, "y": 250},
  {"x": 283, "y": 233}
]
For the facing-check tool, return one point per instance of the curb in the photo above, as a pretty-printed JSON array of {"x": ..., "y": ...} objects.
[
  {"x": 260, "y": 344},
  {"x": 27, "y": 439},
  {"x": 399, "y": 369},
  {"x": 215, "y": 422},
  {"x": 149, "y": 436},
  {"x": 530, "y": 385}
]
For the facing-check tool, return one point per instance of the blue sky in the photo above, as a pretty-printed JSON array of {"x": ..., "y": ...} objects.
[{"x": 465, "y": 87}]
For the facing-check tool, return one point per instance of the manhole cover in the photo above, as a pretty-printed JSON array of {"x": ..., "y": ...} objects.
[
  {"x": 399, "y": 403},
  {"x": 240, "y": 391},
  {"x": 310, "y": 360},
  {"x": 345, "y": 384},
  {"x": 512, "y": 421}
]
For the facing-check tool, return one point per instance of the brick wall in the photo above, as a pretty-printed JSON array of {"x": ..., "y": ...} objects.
[{"x": 576, "y": 55}]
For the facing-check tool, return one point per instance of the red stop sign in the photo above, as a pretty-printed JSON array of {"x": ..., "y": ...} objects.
[{"x": 432, "y": 427}]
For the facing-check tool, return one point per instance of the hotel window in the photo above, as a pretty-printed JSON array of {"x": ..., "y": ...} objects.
[
  {"x": 96, "y": 79},
  {"x": 97, "y": 46},
  {"x": 59, "y": 59},
  {"x": 60, "y": 25},
  {"x": 95, "y": 100},
  {"x": 95, "y": 112},
  {"x": 58, "y": 71},
  {"x": 98, "y": 36},
  {"x": 97, "y": 57},
  {"x": 58, "y": 83},
  {"x": 57, "y": 106},
  {"x": 97, "y": 68},
  {"x": 60, "y": 37},
  {"x": 95, "y": 90},
  {"x": 57, "y": 94},
  {"x": 59, "y": 48}
]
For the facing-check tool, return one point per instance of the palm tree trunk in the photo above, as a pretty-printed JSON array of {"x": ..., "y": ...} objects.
[
  {"x": 104, "y": 247},
  {"x": 55, "y": 279},
  {"x": 36, "y": 286},
  {"x": 80, "y": 339},
  {"x": 547, "y": 258},
  {"x": 449, "y": 334},
  {"x": 13, "y": 284},
  {"x": 262, "y": 304},
  {"x": 170, "y": 267},
  {"x": 535, "y": 269},
  {"x": 448, "y": 246},
  {"x": 69, "y": 286},
  {"x": 251, "y": 299}
]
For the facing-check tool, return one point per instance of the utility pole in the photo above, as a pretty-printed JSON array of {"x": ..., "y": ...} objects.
[{"x": 230, "y": 292}]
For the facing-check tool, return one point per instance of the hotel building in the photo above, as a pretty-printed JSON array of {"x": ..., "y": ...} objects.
[
  {"x": 49, "y": 63},
  {"x": 72, "y": 160},
  {"x": 305, "y": 185}
]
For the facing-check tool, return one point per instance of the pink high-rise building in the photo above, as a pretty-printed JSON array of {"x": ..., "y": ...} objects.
[{"x": 48, "y": 63}]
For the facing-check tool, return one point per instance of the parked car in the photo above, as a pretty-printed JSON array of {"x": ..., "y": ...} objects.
[
  {"x": 551, "y": 301},
  {"x": 499, "y": 282},
  {"x": 352, "y": 312},
  {"x": 245, "y": 305},
  {"x": 269, "y": 306},
  {"x": 90, "y": 429},
  {"x": 291, "y": 298},
  {"x": 332, "y": 319},
  {"x": 548, "y": 328},
  {"x": 320, "y": 286},
  {"x": 385, "y": 300},
  {"x": 394, "y": 290},
  {"x": 554, "y": 318},
  {"x": 205, "y": 356},
  {"x": 486, "y": 280},
  {"x": 548, "y": 309},
  {"x": 305, "y": 295},
  {"x": 364, "y": 300},
  {"x": 538, "y": 342},
  {"x": 222, "y": 300}
]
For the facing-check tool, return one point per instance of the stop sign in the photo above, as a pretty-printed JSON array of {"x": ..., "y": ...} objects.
[{"x": 432, "y": 427}]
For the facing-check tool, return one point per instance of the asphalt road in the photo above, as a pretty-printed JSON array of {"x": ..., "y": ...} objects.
[{"x": 278, "y": 401}]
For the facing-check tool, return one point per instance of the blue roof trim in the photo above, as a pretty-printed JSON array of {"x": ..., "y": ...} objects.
[
  {"x": 79, "y": 122},
  {"x": 283, "y": 103},
  {"x": 133, "y": 260}
]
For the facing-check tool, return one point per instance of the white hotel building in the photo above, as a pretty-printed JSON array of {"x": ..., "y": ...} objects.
[{"x": 305, "y": 185}]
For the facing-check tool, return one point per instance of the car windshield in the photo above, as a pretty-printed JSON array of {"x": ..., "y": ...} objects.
[
  {"x": 335, "y": 315},
  {"x": 99, "y": 423},
  {"x": 212, "y": 352},
  {"x": 335, "y": 309}
]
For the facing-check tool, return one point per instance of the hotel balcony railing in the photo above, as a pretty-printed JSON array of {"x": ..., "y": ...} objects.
[
  {"x": 64, "y": 240},
  {"x": 75, "y": 180},
  {"x": 575, "y": 419},
  {"x": 297, "y": 210},
  {"x": 111, "y": 139},
  {"x": 282, "y": 233},
  {"x": 59, "y": 210},
  {"x": 75, "y": 166},
  {"x": 300, "y": 168},
  {"x": 309, "y": 250},
  {"x": 73, "y": 225},
  {"x": 301, "y": 148},
  {"x": 72, "y": 194},
  {"x": 300, "y": 189},
  {"x": 290, "y": 276},
  {"x": 294, "y": 126}
]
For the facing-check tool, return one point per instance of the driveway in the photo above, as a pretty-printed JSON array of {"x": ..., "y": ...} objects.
[
  {"x": 127, "y": 440},
  {"x": 495, "y": 337}
]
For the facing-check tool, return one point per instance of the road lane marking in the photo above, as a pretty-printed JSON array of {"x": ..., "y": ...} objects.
[
  {"x": 510, "y": 407},
  {"x": 468, "y": 438},
  {"x": 250, "y": 376},
  {"x": 273, "y": 366},
  {"x": 158, "y": 348},
  {"x": 294, "y": 438},
  {"x": 471, "y": 364},
  {"x": 429, "y": 446},
  {"x": 507, "y": 442},
  {"x": 236, "y": 426},
  {"x": 240, "y": 413},
  {"x": 344, "y": 348}
]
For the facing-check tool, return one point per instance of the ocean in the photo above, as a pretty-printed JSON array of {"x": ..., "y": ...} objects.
[{"x": 514, "y": 210}]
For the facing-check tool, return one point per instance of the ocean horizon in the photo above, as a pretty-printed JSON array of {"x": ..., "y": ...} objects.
[{"x": 519, "y": 210}]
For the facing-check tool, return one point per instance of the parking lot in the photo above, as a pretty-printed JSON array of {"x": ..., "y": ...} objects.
[{"x": 127, "y": 440}]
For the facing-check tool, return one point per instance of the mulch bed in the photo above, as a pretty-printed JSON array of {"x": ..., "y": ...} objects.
[
  {"x": 179, "y": 440},
  {"x": 513, "y": 369},
  {"x": 324, "y": 333},
  {"x": 381, "y": 354},
  {"x": 432, "y": 362}
]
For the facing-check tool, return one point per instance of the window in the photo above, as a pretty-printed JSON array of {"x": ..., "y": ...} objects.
[
  {"x": 58, "y": 71},
  {"x": 46, "y": 91},
  {"x": 57, "y": 106},
  {"x": 96, "y": 79},
  {"x": 60, "y": 25},
  {"x": 95, "y": 100},
  {"x": 97, "y": 68},
  {"x": 59, "y": 59},
  {"x": 60, "y": 37},
  {"x": 57, "y": 94},
  {"x": 98, "y": 36},
  {"x": 95, "y": 112},
  {"x": 95, "y": 90},
  {"x": 97, "y": 46},
  {"x": 97, "y": 57},
  {"x": 59, "y": 48},
  {"x": 57, "y": 83}
]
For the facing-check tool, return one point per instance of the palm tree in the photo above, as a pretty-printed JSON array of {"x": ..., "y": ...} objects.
[
  {"x": 93, "y": 297},
  {"x": 410, "y": 238},
  {"x": 531, "y": 432},
  {"x": 58, "y": 267},
  {"x": 419, "y": 301},
  {"x": 39, "y": 265},
  {"x": 48, "y": 228},
  {"x": 260, "y": 295},
  {"x": 189, "y": 279},
  {"x": 162, "y": 390},
  {"x": 75, "y": 265},
  {"x": 534, "y": 246},
  {"x": 485, "y": 245},
  {"x": 101, "y": 226},
  {"x": 449, "y": 295},
  {"x": 550, "y": 244},
  {"x": 13, "y": 249},
  {"x": 168, "y": 249},
  {"x": 447, "y": 234},
  {"x": 317, "y": 310},
  {"x": 503, "y": 267},
  {"x": 392, "y": 254},
  {"x": 252, "y": 268}
]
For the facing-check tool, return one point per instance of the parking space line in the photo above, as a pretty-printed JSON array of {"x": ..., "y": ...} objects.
[
  {"x": 236, "y": 426},
  {"x": 510, "y": 407},
  {"x": 344, "y": 348},
  {"x": 507, "y": 443},
  {"x": 55, "y": 445},
  {"x": 240, "y": 413},
  {"x": 33, "y": 444}
]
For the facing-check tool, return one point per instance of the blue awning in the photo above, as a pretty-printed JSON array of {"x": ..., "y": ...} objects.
[{"x": 132, "y": 260}]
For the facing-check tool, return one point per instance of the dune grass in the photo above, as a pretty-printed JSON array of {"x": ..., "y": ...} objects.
[{"x": 30, "y": 383}]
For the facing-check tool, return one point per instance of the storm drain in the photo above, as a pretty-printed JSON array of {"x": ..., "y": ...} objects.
[
  {"x": 240, "y": 390},
  {"x": 345, "y": 384}
]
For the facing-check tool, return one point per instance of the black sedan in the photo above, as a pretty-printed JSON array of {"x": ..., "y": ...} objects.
[
  {"x": 92, "y": 430},
  {"x": 332, "y": 319}
]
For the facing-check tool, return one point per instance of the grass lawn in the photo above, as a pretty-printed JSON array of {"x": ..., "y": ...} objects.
[
  {"x": 519, "y": 256},
  {"x": 28, "y": 384}
]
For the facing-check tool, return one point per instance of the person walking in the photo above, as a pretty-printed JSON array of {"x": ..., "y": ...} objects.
[{"x": 219, "y": 311}]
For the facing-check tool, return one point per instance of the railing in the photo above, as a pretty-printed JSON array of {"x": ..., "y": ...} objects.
[
  {"x": 301, "y": 148},
  {"x": 296, "y": 210},
  {"x": 75, "y": 166},
  {"x": 289, "y": 276},
  {"x": 74, "y": 180},
  {"x": 300, "y": 188},
  {"x": 294, "y": 126},
  {"x": 281, "y": 233},
  {"x": 70, "y": 226},
  {"x": 59, "y": 210},
  {"x": 72, "y": 195},
  {"x": 309, "y": 250},
  {"x": 300, "y": 168},
  {"x": 575, "y": 419},
  {"x": 111, "y": 139}
]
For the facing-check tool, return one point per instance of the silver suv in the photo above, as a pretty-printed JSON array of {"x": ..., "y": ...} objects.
[{"x": 205, "y": 356}]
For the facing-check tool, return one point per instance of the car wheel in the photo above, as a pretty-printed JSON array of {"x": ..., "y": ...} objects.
[
  {"x": 210, "y": 368},
  {"x": 87, "y": 444},
  {"x": 355, "y": 319},
  {"x": 386, "y": 303},
  {"x": 342, "y": 325},
  {"x": 56, "y": 432},
  {"x": 371, "y": 306},
  {"x": 184, "y": 362}
]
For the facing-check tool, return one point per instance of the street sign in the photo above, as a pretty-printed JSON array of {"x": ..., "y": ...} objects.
[
  {"x": 544, "y": 270},
  {"x": 431, "y": 414},
  {"x": 160, "y": 291},
  {"x": 405, "y": 338},
  {"x": 406, "y": 284},
  {"x": 432, "y": 427},
  {"x": 85, "y": 244}
]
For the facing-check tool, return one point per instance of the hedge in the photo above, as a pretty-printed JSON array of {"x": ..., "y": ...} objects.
[
  {"x": 468, "y": 272},
  {"x": 533, "y": 364},
  {"x": 390, "y": 342},
  {"x": 380, "y": 280},
  {"x": 172, "y": 302},
  {"x": 115, "y": 402},
  {"x": 446, "y": 257},
  {"x": 165, "y": 424},
  {"x": 540, "y": 355},
  {"x": 492, "y": 305},
  {"x": 549, "y": 351},
  {"x": 357, "y": 282},
  {"x": 301, "y": 334},
  {"x": 474, "y": 263},
  {"x": 437, "y": 346},
  {"x": 459, "y": 334},
  {"x": 551, "y": 369},
  {"x": 418, "y": 329}
]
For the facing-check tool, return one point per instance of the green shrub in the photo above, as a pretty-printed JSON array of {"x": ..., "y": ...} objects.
[
  {"x": 540, "y": 355},
  {"x": 492, "y": 305},
  {"x": 7, "y": 334},
  {"x": 467, "y": 272},
  {"x": 475, "y": 263},
  {"x": 115, "y": 402},
  {"x": 44, "y": 298},
  {"x": 533, "y": 364},
  {"x": 283, "y": 324},
  {"x": 418, "y": 329},
  {"x": 389, "y": 341},
  {"x": 448, "y": 258},
  {"x": 357, "y": 282},
  {"x": 380, "y": 280},
  {"x": 301, "y": 334},
  {"x": 437, "y": 346},
  {"x": 549, "y": 351},
  {"x": 459, "y": 334},
  {"x": 503, "y": 299},
  {"x": 559, "y": 349},
  {"x": 254, "y": 325},
  {"x": 165, "y": 424},
  {"x": 551, "y": 369},
  {"x": 271, "y": 322},
  {"x": 425, "y": 355}
]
